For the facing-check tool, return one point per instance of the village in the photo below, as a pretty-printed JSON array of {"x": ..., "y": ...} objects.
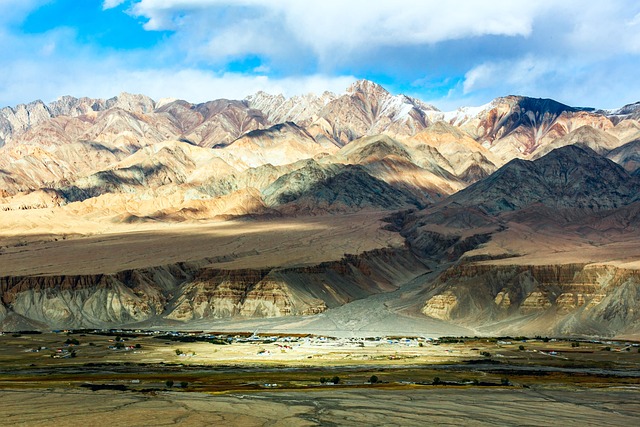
[
  {"x": 201, "y": 347},
  {"x": 149, "y": 360}
]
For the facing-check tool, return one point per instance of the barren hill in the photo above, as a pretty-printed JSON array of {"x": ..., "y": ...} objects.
[{"x": 519, "y": 216}]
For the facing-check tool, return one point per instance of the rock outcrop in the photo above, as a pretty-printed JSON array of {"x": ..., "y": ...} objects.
[
  {"x": 555, "y": 299},
  {"x": 187, "y": 291}
]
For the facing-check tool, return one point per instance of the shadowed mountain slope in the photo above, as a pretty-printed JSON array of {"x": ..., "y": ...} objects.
[{"x": 570, "y": 177}]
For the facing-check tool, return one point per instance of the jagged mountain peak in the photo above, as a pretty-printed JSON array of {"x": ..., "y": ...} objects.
[
  {"x": 442, "y": 127},
  {"x": 586, "y": 136},
  {"x": 366, "y": 86},
  {"x": 262, "y": 98},
  {"x": 625, "y": 110},
  {"x": 569, "y": 177},
  {"x": 371, "y": 89},
  {"x": 372, "y": 148}
]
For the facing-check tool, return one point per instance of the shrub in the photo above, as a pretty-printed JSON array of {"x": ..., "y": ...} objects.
[
  {"x": 323, "y": 380},
  {"x": 505, "y": 381},
  {"x": 373, "y": 379},
  {"x": 436, "y": 381},
  {"x": 138, "y": 345},
  {"x": 169, "y": 383},
  {"x": 179, "y": 352},
  {"x": 184, "y": 384},
  {"x": 521, "y": 347},
  {"x": 335, "y": 380}
]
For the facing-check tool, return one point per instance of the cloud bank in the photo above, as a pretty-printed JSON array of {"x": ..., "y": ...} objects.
[{"x": 451, "y": 53}]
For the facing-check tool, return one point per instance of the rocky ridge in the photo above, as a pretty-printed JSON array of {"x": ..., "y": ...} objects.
[
  {"x": 476, "y": 189},
  {"x": 193, "y": 291}
]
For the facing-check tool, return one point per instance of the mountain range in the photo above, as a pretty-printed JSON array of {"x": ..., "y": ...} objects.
[{"x": 518, "y": 216}]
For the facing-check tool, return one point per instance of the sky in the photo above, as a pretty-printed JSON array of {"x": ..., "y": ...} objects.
[{"x": 448, "y": 53}]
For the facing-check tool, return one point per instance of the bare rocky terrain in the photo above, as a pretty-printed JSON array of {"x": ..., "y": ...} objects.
[
  {"x": 360, "y": 234},
  {"x": 354, "y": 213}
]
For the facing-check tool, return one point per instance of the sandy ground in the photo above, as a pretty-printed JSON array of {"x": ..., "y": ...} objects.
[
  {"x": 556, "y": 246},
  {"x": 15, "y": 352},
  {"x": 31, "y": 245},
  {"x": 497, "y": 407}
]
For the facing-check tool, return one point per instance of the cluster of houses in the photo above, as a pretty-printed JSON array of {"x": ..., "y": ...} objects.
[{"x": 63, "y": 353}]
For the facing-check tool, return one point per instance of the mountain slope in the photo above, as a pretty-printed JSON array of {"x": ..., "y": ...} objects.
[
  {"x": 548, "y": 244},
  {"x": 570, "y": 177}
]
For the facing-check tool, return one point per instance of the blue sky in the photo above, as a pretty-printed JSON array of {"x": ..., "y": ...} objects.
[{"x": 451, "y": 54}]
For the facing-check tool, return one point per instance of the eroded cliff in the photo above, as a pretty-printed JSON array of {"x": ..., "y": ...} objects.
[
  {"x": 190, "y": 291},
  {"x": 564, "y": 299}
]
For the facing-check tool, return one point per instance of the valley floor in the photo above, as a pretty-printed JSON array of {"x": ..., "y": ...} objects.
[
  {"x": 276, "y": 381},
  {"x": 33, "y": 243},
  {"x": 477, "y": 407}
]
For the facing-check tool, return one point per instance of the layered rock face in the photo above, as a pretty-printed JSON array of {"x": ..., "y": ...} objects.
[
  {"x": 91, "y": 300},
  {"x": 187, "y": 292},
  {"x": 502, "y": 233},
  {"x": 556, "y": 299}
]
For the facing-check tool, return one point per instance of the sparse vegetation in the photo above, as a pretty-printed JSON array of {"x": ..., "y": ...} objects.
[{"x": 114, "y": 366}]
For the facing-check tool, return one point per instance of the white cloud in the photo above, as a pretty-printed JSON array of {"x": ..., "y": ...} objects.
[
  {"x": 16, "y": 10},
  {"x": 24, "y": 82},
  {"x": 567, "y": 80},
  {"x": 579, "y": 53},
  {"x": 110, "y": 4},
  {"x": 333, "y": 28},
  {"x": 520, "y": 74}
]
